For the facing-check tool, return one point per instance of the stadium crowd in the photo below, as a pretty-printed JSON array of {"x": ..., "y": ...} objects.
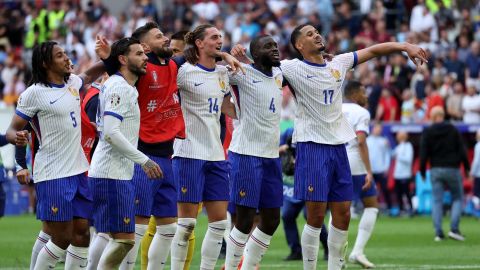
[{"x": 398, "y": 91}]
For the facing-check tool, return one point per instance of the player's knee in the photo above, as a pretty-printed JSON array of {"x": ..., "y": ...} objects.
[
  {"x": 269, "y": 226},
  {"x": 81, "y": 237},
  {"x": 62, "y": 240},
  {"x": 244, "y": 224}
]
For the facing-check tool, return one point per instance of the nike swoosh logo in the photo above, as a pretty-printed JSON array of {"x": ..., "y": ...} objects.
[
  {"x": 83, "y": 266},
  {"x": 256, "y": 81},
  {"x": 237, "y": 256},
  {"x": 311, "y": 76},
  {"x": 130, "y": 262},
  {"x": 52, "y": 102},
  {"x": 310, "y": 260},
  {"x": 197, "y": 84}
]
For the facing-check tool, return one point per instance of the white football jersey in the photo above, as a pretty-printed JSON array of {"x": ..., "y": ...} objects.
[
  {"x": 201, "y": 93},
  {"x": 258, "y": 102},
  {"x": 318, "y": 92},
  {"x": 118, "y": 99},
  {"x": 359, "y": 118},
  {"x": 54, "y": 114}
]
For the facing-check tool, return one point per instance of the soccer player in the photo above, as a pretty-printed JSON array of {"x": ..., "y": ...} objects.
[
  {"x": 52, "y": 106},
  {"x": 199, "y": 165},
  {"x": 320, "y": 132},
  {"x": 363, "y": 184},
  {"x": 3, "y": 140},
  {"x": 118, "y": 122},
  {"x": 177, "y": 43},
  {"x": 161, "y": 121},
  {"x": 256, "y": 170}
]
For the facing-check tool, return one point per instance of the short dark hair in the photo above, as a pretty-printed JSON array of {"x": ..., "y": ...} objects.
[
  {"x": 140, "y": 32},
  {"x": 352, "y": 88},
  {"x": 42, "y": 54},
  {"x": 296, "y": 34},
  {"x": 179, "y": 36},
  {"x": 254, "y": 43},
  {"x": 122, "y": 47}
]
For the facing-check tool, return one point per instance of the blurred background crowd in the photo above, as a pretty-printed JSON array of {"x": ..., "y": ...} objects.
[{"x": 398, "y": 90}]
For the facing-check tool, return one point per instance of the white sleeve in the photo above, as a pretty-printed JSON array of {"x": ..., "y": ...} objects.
[
  {"x": 116, "y": 139},
  {"x": 27, "y": 105},
  {"x": 346, "y": 60},
  {"x": 363, "y": 123}
]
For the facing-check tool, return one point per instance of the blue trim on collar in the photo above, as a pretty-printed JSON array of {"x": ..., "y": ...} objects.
[
  {"x": 119, "y": 74},
  {"x": 266, "y": 74},
  {"x": 56, "y": 85},
  {"x": 314, "y": 64},
  {"x": 205, "y": 68}
]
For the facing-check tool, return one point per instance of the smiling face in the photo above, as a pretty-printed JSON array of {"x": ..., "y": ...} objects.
[
  {"x": 60, "y": 64},
  {"x": 158, "y": 43},
  {"x": 211, "y": 44},
  {"x": 310, "y": 41},
  {"x": 267, "y": 52}
]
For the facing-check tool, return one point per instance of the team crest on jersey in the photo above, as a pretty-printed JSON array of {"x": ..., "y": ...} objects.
[
  {"x": 137, "y": 201},
  {"x": 114, "y": 100},
  {"x": 126, "y": 220},
  {"x": 154, "y": 75},
  {"x": 310, "y": 188},
  {"x": 336, "y": 74},
  {"x": 278, "y": 82},
  {"x": 73, "y": 91},
  {"x": 222, "y": 85},
  {"x": 242, "y": 193},
  {"x": 184, "y": 190},
  {"x": 54, "y": 209}
]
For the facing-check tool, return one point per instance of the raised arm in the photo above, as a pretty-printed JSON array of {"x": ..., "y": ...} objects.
[{"x": 414, "y": 52}]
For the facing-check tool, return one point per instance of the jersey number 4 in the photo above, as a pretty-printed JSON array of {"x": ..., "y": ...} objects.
[
  {"x": 272, "y": 105},
  {"x": 328, "y": 96},
  {"x": 213, "y": 105},
  {"x": 74, "y": 120}
]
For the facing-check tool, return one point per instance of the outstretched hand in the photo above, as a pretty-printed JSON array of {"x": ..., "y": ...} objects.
[
  {"x": 416, "y": 53},
  {"x": 239, "y": 52},
  {"x": 102, "y": 48}
]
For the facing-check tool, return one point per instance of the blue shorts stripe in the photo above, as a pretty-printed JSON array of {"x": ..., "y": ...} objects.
[
  {"x": 322, "y": 173},
  {"x": 155, "y": 197},
  {"x": 200, "y": 180},
  {"x": 114, "y": 209},
  {"x": 256, "y": 182},
  {"x": 64, "y": 198}
]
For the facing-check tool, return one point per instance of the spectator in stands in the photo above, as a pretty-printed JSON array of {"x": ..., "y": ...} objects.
[
  {"x": 403, "y": 154},
  {"x": 442, "y": 146},
  {"x": 471, "y": 106},
  {"x": 454, "y": 102},
  {"x": 433, "y": 98},
  {"x": 408, "y": 107},
  {"x": 472, "y": 73},
  {"x": 454, "y": 65},
  {"x": 379, "y": 152},
  {"x": 388, "y": 109}
]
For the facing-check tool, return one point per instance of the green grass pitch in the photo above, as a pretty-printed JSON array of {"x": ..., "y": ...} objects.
[{"x": 397, "y": 243}]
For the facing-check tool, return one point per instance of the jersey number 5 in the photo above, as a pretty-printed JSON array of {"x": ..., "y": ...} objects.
[
  {"x": 74, "y": 120},
  {"x": 213, "y": 105},
  {"x": 328, "y": 96}
]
